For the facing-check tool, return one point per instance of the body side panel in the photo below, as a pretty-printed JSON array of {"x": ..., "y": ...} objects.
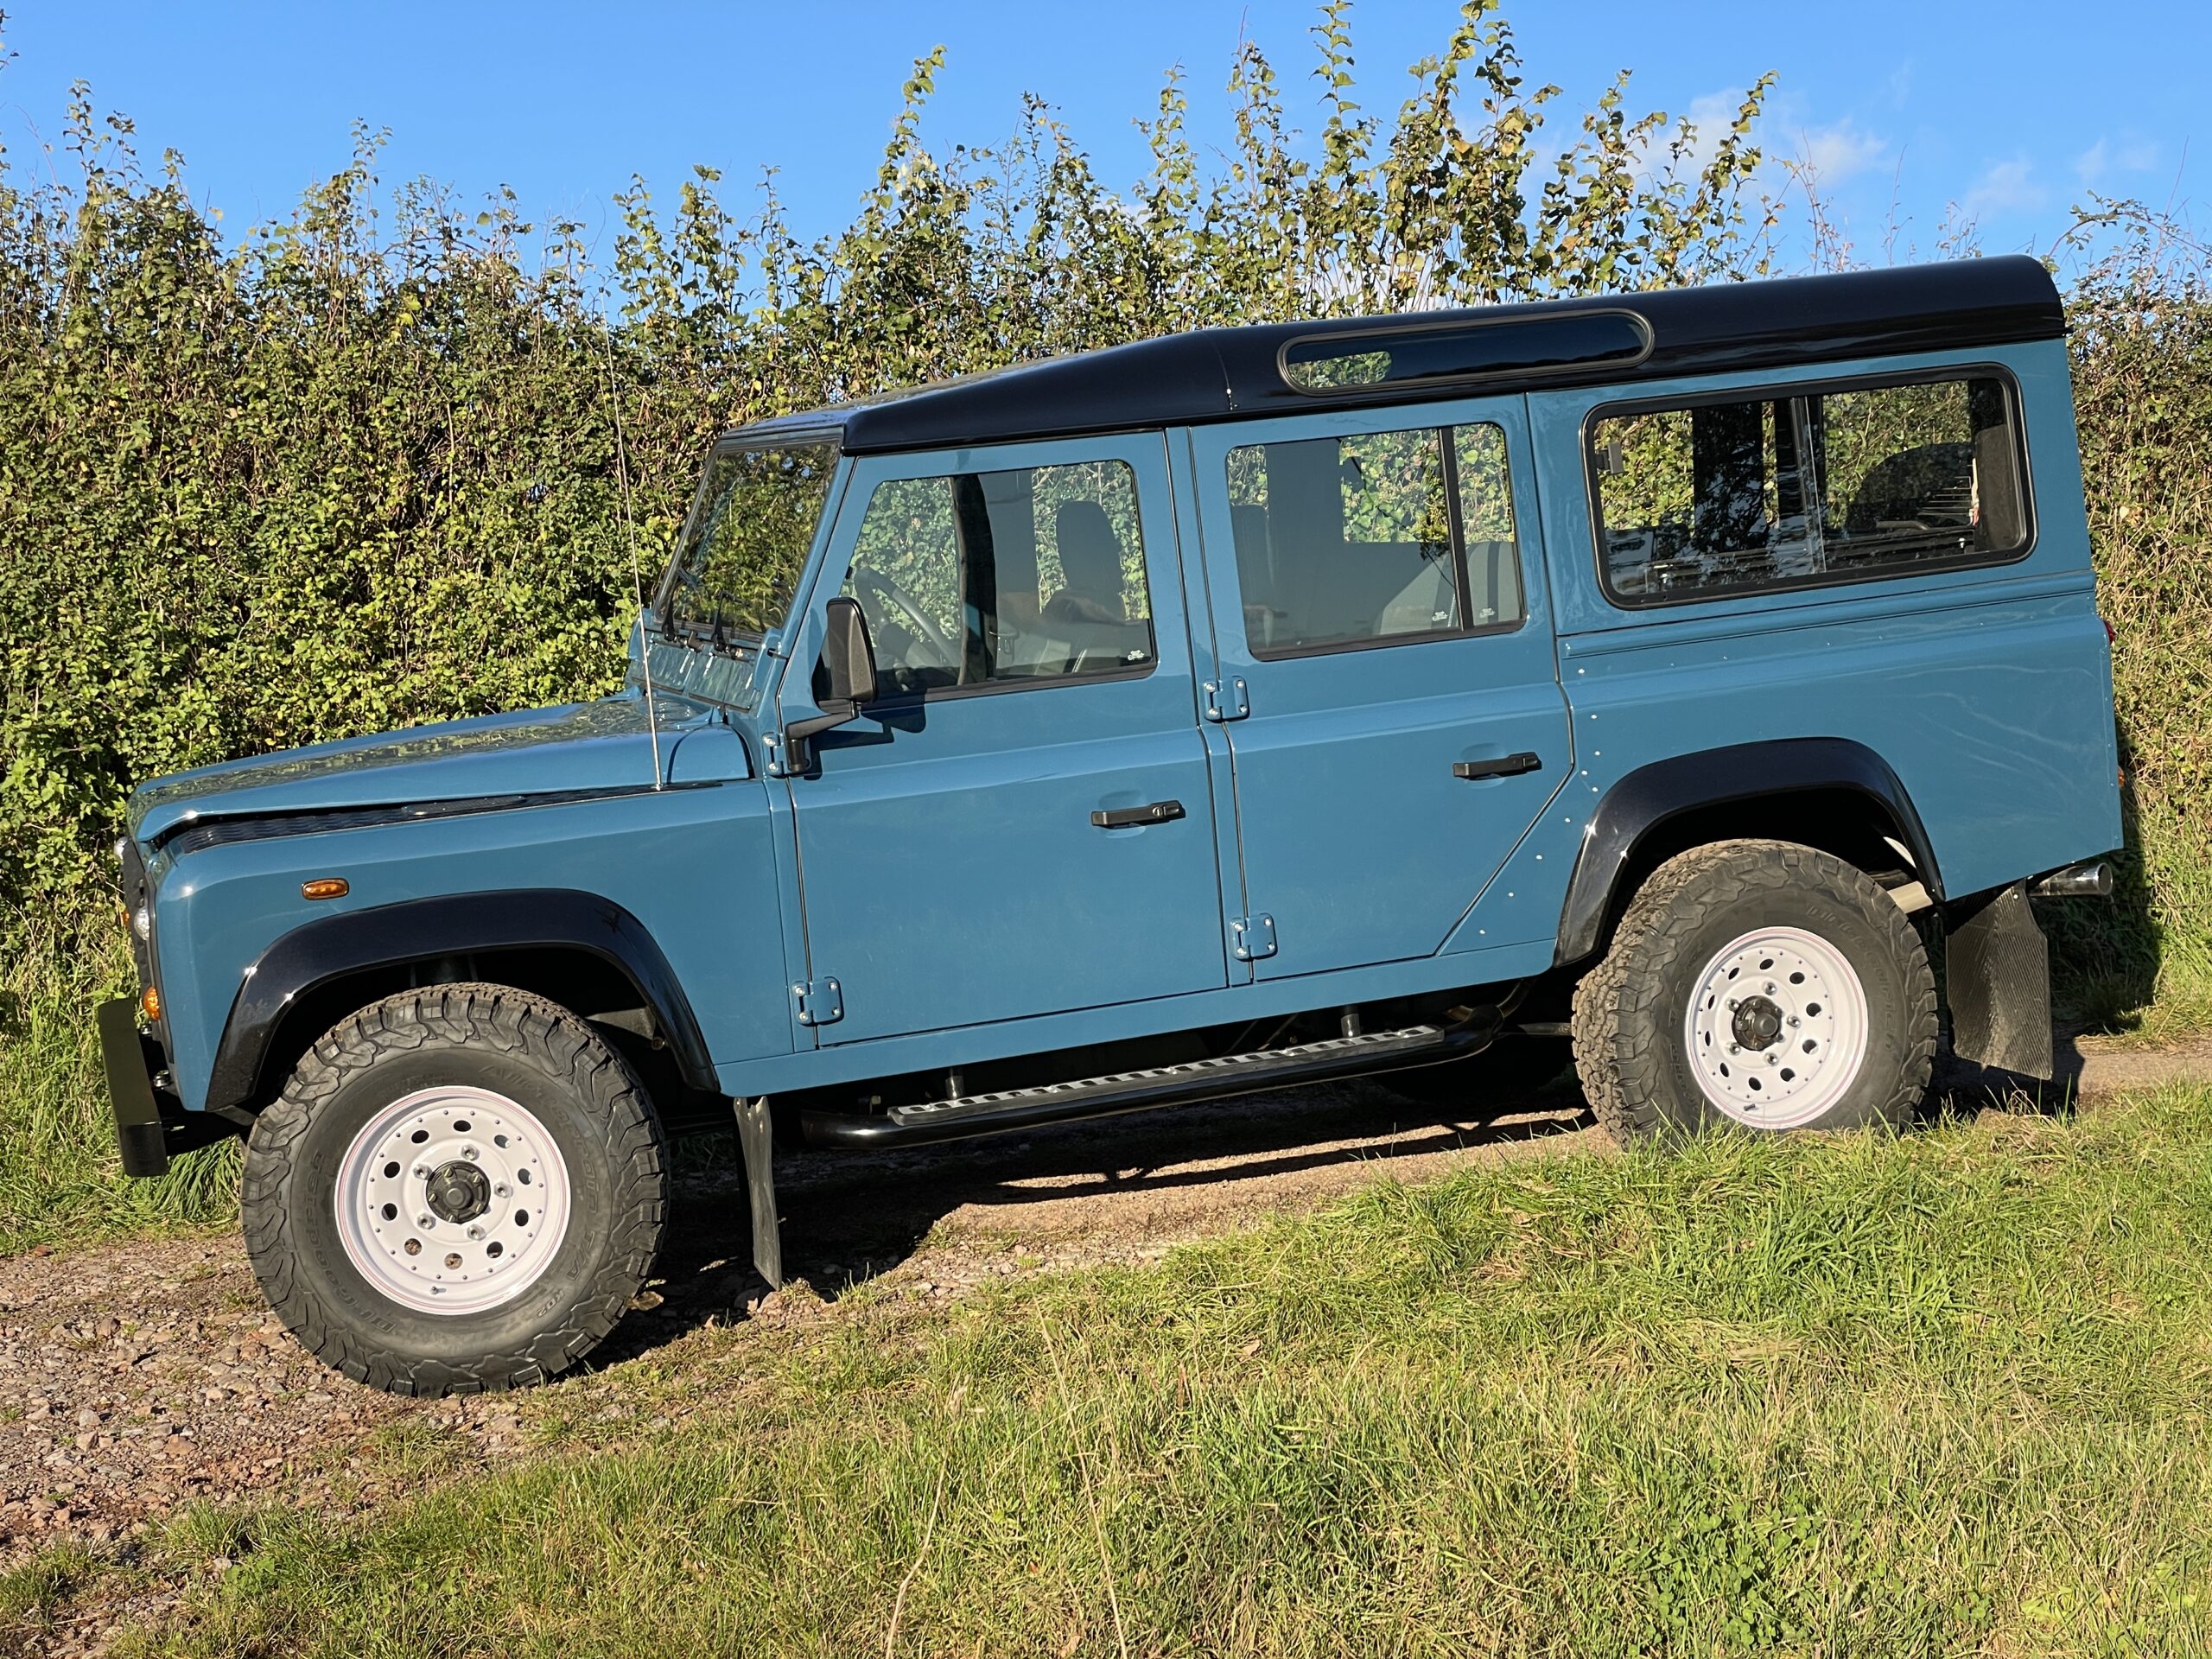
[
  {"x": 693, "y": 865},
  {"x": 1985, "y": 691}
]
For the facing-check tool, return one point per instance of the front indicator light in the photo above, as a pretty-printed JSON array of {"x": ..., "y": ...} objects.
[
  {"x": 142, "y": 923},
  {"x": 149, "y": 1003},
  {"x": 325, "y": 887}
]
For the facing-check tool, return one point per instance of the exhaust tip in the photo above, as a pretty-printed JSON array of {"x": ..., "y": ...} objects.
[{"x": 2080, "y": 882}]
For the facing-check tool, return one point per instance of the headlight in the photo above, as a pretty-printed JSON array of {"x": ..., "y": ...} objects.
[{"x": 142, "y": 923}]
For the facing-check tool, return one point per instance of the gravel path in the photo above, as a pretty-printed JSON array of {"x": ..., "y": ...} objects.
[{"x": 137, "y": 1378}]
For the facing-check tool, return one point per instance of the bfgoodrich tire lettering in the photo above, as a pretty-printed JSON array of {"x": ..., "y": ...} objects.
[
  {"x": 499, "y": 1043},
  {"x": 1639, "y": 1012}
]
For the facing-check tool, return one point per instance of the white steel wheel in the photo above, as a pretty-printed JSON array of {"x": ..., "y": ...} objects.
[
  {"x": 452, "y": 1200},
  {"x": 1776, "y": 1027}
]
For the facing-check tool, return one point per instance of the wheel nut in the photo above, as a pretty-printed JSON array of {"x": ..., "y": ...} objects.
[
  {"x": 1769, "y": 988},
  {"x": 468, "y": 1151},
  {"x": 500, "y": 1191},
  {"x": 421, "y": 1171},
  {"x": 1734, "y": 1049},
  {"x": 425, "y": 1223},
  {"x": 476, "y": 1232},
  {"x": 1793, "y": 1018},
  {"x": 1732, "y": 1005}
]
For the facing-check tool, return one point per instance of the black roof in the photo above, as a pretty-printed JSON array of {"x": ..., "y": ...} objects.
[{"x": 1215, "y": 374}]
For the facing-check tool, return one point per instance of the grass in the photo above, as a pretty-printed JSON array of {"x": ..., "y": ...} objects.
[
  {"x": 60, "y": 1180},
  {"x": 1939, "y": 1395}
]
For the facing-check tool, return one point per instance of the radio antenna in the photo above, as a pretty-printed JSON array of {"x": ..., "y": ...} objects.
[{"x": 630, "y": 535}]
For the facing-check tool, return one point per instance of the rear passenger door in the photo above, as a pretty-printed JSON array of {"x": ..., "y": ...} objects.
[{"x": 1387, "y": 683}]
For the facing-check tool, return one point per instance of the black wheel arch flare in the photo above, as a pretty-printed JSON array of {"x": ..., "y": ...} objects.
[
  {"x": 1642, "y": 802},
  {"x": 382, "y": 937}
]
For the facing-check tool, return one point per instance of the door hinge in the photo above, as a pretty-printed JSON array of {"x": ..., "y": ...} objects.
[
  {"x": 1252, "y": 938},
  {"x": 1226, "y": 702},
  {"x": 773, "y": 743},
  {"x": 820, "y": 1002}
]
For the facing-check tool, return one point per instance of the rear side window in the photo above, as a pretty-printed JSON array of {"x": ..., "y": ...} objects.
[
  {"x": 1374, "y": 538},
  {"x": 1798, "y": 488},
  {"x": 996, "y": 578}
]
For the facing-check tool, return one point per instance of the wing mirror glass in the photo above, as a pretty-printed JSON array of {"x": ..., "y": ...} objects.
[{"x": 848, "y": 670}]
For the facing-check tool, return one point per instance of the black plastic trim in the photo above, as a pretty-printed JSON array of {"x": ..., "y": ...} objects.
[
  {"x": 1219, "y": 374},
  {"x": 1648, "y": 797},
  {"x": 186, "y": 837},
  {"x": 419, "y": 929},
  {"x": 138, "y": 1132}
]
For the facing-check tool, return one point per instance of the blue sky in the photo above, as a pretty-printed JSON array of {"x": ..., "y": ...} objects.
[{"x": 2012, "y": 113}]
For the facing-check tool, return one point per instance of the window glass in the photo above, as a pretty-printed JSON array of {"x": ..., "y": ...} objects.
[
  {"x": 1347, "y": 541},
  {"x": 1717, "y": 498},
  {"x": 972, "y": 578},
  {"x": 1326, "y": 363},
  {"x": 747, "y": 540}
]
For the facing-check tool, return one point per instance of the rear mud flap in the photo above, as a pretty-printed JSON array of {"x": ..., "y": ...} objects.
[
  {"x": 756, "y": 1142},
  {"x": 1997, "y": 970}
]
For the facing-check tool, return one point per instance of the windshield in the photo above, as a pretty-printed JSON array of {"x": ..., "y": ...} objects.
[{"x": 747, "y": 540}]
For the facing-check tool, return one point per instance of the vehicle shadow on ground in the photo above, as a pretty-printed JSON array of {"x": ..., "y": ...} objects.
[
  {"x": 850, "y": 1217},
  {"x": 1962, "y": 1089}
]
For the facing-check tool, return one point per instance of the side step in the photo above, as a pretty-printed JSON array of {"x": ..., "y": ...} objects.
[{"x": 1010, "y": 1109}]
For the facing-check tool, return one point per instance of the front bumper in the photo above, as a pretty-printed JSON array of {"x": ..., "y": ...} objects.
[{"x": 138, "y": 1131}]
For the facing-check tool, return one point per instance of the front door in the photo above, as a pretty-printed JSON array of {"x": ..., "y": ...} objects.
[
  {"x": 1020, "y": 824},
  {"x": 1376, "y": 588}
]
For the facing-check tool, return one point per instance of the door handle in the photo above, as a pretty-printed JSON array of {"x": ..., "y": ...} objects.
[
  {"x": 1125, "y": 818},
  {"x": 1505, "y": 765}
]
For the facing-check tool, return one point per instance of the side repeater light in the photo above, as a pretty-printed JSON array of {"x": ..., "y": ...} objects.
[
  {"x": 149, "y": 1003},
  {"x": 325, "y": 887}
]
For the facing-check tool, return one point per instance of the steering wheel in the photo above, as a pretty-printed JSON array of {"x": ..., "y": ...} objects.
[{"x": 924, "y": 632}]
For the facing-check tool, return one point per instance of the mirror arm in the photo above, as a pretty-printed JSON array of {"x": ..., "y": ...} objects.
[{"x": 799, "y": 734}]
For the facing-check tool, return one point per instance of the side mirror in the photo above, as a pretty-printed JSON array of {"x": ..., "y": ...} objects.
[
  {"x": 844, "y": 679},
  {"x": 848, "y": 670}
]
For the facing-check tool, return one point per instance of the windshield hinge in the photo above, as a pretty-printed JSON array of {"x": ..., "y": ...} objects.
[
  {"x": 820, "y": 1002},
  {"x": 1252, "y": 938},
  {"x": 1226, "y": 702}
]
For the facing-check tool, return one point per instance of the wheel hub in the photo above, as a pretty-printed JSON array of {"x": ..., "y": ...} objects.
[
  {"x": 459, "y": 1192},
  {"x": 1757, "y": 1024}
]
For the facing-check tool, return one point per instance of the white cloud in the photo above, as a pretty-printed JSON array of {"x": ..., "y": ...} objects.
[
  {"x": 2006, "y": 188},
  {"x": 2128, "y": 153},
  {"x": 1833, "y": 154}
]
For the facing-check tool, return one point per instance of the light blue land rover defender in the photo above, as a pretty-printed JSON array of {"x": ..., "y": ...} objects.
[{"x": 1622, "y": 682}]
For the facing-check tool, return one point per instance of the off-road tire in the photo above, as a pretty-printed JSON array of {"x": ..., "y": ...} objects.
[
  {"x": 488, "y": 1036},
  {"x": 1501, "y": 1077},
  {"x": 1630, "y": 1011}
]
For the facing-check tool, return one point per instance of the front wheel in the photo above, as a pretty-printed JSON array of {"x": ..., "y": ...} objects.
[
  {"x": 1762, "y": 984},
  {"x": 461, "y": 1188}
]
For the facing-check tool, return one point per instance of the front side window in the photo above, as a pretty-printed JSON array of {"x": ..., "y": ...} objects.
[
  {"x": 983, "y": 578},
  {"x": 1374, "y": 537},
  {"x": 1717, "y": 498},
  {"x": 747, "y": 541}
]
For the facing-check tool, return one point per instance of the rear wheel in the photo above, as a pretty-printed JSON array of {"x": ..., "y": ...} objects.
[
  {"x": 1762, "y": 984},
  {"x": 461, "y": 1188}
]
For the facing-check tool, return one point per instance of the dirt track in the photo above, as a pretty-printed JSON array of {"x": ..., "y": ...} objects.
[{"x": 143, "y": 1377}]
